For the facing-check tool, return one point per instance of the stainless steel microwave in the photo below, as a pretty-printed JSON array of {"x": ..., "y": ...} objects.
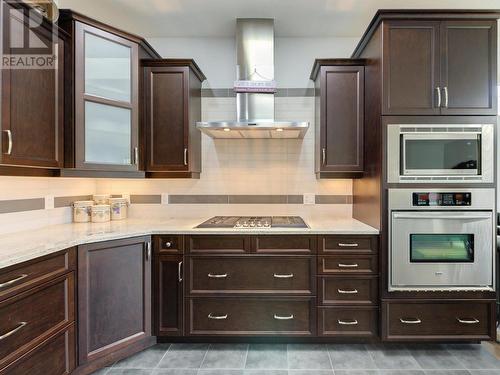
[{"x": 440, "y": 153}]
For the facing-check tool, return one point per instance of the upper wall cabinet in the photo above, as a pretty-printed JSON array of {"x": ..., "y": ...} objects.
[
  {"x": 439, "y": 67},
  {"x": 32, "y": 100},
  {"x": 103, "y": 121},
  {"x": 172, "y": 106},
  {"x": 339, "y": 107}
]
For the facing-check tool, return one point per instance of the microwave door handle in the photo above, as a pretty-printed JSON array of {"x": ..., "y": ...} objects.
[{"x": 440, "y": 216}]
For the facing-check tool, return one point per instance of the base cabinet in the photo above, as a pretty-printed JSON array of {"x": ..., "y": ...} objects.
[
  {"x": 352, "y": 322},
  {"x": 114, "y": 296}
]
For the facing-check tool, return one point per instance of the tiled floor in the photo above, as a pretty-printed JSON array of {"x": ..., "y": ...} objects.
[{"x": 308, "y": 359}]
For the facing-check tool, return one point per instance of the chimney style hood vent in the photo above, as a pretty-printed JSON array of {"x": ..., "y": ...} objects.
[{"x": 255, "y": 110}]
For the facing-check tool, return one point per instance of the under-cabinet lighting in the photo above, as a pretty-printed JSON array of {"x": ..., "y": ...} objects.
[{"x": 227, "y": 129}]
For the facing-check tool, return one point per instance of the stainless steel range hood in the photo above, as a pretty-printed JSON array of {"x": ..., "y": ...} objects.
[{"x": 254, "y": 111}]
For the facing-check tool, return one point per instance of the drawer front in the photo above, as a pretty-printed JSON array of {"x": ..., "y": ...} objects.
[
  {"x": 350, "y": 264},
  {"x": 350, "y": 322},
  {"x": 285, "y": 244},
  {"x": 434, "y": 320},
  {"x": 34, "y": 315},
  {"x": 252, "y": 316},
  {"x": 218, "y": 244},
  {"x": 348, "y": 244},
  {"x": 19, "y": 278},
  {"x": 251, "y": 274},
  {"x": 169, "y": 244},
  {"x": 56, "y": 356},
  {"x": 348, "y": 290}
]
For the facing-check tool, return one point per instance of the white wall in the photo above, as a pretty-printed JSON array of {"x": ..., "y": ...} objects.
[{"x": 294, "y": 57}]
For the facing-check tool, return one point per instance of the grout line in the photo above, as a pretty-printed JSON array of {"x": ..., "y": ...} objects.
[
  {"x": 329, "y": 357},
  {"x": 246, "y": 357},
  {"x": 163, "y": 356},
  {"x": 203, "y": 360}
]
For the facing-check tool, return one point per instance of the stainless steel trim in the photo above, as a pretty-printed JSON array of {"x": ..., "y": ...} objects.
[
  {"x": 354, "y": 265},
  {"x": 279, "y": 317},
  {"x": 473, "y": 321},
  {"x": 10, "y": 333},
  {"x": 351, "y": 323},
  {"x": 148, "y": 250},
  {"x": 323, "y": 153},
  {"x": 438, "y": 89},
  {"x": 348, "y": 244},
  {"x": 278, "y": 276},
  {"x": 217, "y": 317},
  {"x": 416, "y": 321},
  {"x": 136, "y": 155},
  {"x": 263, "y": 129},
  {"x": 217, "y": 276},
  {"x": 13, "y": 281},
  {"x": 10, "y": 143},
  {"x": 186, "y": 156},
  {"x": 429, "y": 215},
  {"x": 445, "y": 97},
  {"x": 179, "y": 272},
  {"x": 353, "y": 291}
]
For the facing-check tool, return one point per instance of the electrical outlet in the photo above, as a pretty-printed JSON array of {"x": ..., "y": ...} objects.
[
  {"x": 309, "y": 198},
  {"x": 49, "y": 202},
  {"x": 164, "y": 198}
]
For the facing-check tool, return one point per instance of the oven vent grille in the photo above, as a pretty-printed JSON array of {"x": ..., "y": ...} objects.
[
  {"x": 457, "y": 129},
  {"x": 443, "y": 179}
]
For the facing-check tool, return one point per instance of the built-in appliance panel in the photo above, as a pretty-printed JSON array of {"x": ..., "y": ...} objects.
[
  {"x": 217, "y": 244},
  {"x": 252, "y": 275},
  {"x": 285, "y": 244},
  {"x": 440, "y": 153}
]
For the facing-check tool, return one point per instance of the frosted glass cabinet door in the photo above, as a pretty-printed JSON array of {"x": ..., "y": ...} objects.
[
  {"x": 107, "y": 68},
  {"x": 108, "y": 132}
]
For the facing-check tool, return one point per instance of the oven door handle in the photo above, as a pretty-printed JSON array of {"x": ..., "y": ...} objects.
[{"x": 418, "y": 215}]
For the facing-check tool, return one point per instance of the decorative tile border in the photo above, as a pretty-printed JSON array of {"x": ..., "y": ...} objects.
[
  {"x": 68, "y": 201},
  {"x": 20, "y": 205},
  {"x": 145, "y": 199},
  {"x": 284, "y": 92}
]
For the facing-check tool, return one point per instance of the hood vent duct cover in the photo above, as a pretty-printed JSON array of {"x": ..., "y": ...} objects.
[{"x": 255, "y": 110}]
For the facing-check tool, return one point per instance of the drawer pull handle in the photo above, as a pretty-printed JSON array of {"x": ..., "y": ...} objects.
[
  {"x": 472, "y": 321},
  {"x": 13, "y": 281},
  {"x": 10, "y": 333},
  {"x": 217, "y": 276},
  {"x": 348, "y": 244},
  {"x": 279, "y": 317},
  {"x": 354, "y": 265},
  {"x": 350, "y": 323},
  {"x": 217, "y": 317},
  {"x": 353, "y": 291},
  {"x": 179, "y": 272},
  {"x": 288, "y": 276},
  {"x": 415, "y": 321}
]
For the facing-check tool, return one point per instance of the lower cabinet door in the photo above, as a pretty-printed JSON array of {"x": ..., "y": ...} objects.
[
  {"x": 169, "y": 296},
  {"x": 348, "y": 322},
  {"x": 252, "y": 316},
  {"x": 454, "y": 320},
  {"x": 55, "y": 356},
  {"x": 114, "y": 296}
]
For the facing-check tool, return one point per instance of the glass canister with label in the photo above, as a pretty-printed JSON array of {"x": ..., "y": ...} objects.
[
  {"x": 82, "y": 211},
  {"x": 119, "y": 208},
  {"x": 101, "y": 213}
]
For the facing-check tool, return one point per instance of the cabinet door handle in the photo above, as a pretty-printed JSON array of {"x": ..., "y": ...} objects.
[
  {"x": 179, "y": 272},
  {"x": 9, "y": 142},
  {"x": 148, "y": 250},
  {"x": 438, "y": 91},
  {"x": 467, "y": 321},
  {"x": 348, "y": 245},
  {"x": 10, "y": 333},
  {"x": 445, "y": 96},
  {"x": 13, "y": 281},
  {"x": 354, "y": 265},
  {"x": 414, "y": 321},
  {"x": 288, "y": 276},
  {"x": 217, "y": 317},
  {"x": 186, "y": 156},
  {"x": 281, "y": 317},
  {"x": 323, "y": 156},
  {"x": 136, "y": 155},
  {"x": 353, "y": 291},
  {"x": 217, "y": 276},
  {"x": 348, "y": 323}
]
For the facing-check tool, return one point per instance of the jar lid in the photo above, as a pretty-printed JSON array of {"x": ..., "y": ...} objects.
[
  {"x": 118, "y": 200},
  {"x": 101, "y": 207},
  {"x": 101, "y": 196},
  {"x": 83, "y": 203}
]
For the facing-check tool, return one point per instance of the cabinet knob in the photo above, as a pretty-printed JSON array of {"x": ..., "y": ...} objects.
[{"x": 168, "y": 245}]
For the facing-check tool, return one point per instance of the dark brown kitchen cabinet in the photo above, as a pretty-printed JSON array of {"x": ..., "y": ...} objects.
[
  {"x": 340, "y": 115},
  {"x": 169, "y": 296},
  {"x": 32, "y": 100},
  {"x": 172, "y": 106},
  {"x": 439, "y": 67},
  {"x": 114, "y": 297}
]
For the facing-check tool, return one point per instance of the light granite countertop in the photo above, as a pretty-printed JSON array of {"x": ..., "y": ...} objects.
[{"x": 19, "y": 247}]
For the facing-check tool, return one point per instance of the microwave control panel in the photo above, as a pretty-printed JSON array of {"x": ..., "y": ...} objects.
[{"x": 442, "y": 199}]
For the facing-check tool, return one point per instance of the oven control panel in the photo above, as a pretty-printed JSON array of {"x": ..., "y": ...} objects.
[{"x": 442, "y": 199}]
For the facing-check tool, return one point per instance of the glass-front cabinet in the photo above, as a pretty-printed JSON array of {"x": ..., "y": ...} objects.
[{"x": 106, "y": 101}]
